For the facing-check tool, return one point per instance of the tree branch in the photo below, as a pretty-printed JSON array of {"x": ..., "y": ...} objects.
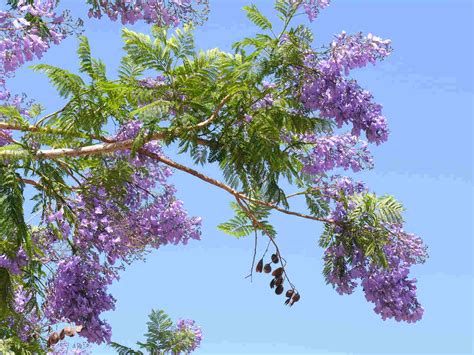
[
  {"x": 49, "y": 130},
  {"x": 227, "y": 188},
  {"x": 214, "y": 115}
]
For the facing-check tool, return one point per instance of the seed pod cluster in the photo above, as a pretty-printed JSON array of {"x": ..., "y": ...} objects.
[
  {"x": 267, "y": 268},
  {"x": 278, "y": 279},
  {"x": 55, "y": 337}
]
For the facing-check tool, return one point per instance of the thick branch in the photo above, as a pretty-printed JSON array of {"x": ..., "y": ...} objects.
[{"x": 108, "y": 146}]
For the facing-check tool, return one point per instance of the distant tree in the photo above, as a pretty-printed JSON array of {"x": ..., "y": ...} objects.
[{"x": 163, "y": 337}]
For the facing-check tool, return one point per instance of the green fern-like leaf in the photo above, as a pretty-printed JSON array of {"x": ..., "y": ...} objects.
[
  {"x": 254, "y": 15},
  {"x": 65, "y": 82},
  {"x": 124, "y": 350}
]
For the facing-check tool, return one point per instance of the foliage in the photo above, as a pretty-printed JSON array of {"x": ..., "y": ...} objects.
[{"x": 269, "y": 114}]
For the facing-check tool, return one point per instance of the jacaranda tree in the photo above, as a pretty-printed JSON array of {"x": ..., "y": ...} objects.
[{"x": 271, "y": 115}]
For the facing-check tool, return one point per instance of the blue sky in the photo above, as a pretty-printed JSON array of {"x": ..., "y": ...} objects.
[{"x": 426, "y": 88}]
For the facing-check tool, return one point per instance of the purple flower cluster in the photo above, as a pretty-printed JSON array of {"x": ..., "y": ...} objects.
[
  {"x": 5, "y": 137},
  {"x": 30, "y": 320},
  {"x": 117, "y": 224},
  {"x": 326, "y": 90},
  {"x": 392, "y": 292},
  {"x": 312, "y": 7},
  {"x": 22, "y": 41},
  {"x": 189, "y": 325},
  {"x": 337, "y": 184},
  {"x": 330, "y": 152},
  {"x": 120, "y": 234},
  {"x": 266, "y": 101},
  {"x": 78, "y": 294},
  {"x": 63, "y": 347},
  {"x": 390, "y": 289},
  {"x": 348, "y": 52},
  {"x": 14, "y": 265},
  {"x": 346, "y": 102},
  {"x": 336, "y": 190},
  {"x": 160, "y": 12},
  {"x": 20, "y": 299},
  {"x": 151, "y": 83}
]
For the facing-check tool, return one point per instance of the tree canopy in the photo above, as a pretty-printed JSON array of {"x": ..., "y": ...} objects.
[{"x": 272, "y": 114}]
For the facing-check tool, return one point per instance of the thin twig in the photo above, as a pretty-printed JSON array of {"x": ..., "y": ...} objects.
[
  {"x": 253, "y": 259},
  {"x": 249, "y": 213}
]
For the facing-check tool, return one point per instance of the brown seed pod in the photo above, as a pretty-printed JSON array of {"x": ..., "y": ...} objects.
[
  {"x": 267, "y": 268},
  {"x": 275, "y": 258},
  {"x": 289, "y": 293},
  {"x": 259, "y": 266},
  {"x": 278, "y": 281},
  {"x": 278, "y": 272},
  {"x": 272, "y": 283},
  {"x": 294, "y": 299},
  {"x": 279, "y": 290},
  {"x": 62, "y": 334},
  {"x": 53, "y": 339},
  {"x": 70, "y": 332}
]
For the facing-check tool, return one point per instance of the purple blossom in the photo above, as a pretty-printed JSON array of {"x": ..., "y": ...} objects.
[
  {"x": 148, "y": 215},
  {"x": 326, "y": 90},
  {"x": 346, "y": 102},
  {"x": 390, "y": 289},
  {"x": 20, "y": 299},
  {"x": 312, "y": 7},
  {"x": 348, "y": 52},
  {"x": 152, "y": 83},
  {"x": 22, "y": 41},
  {"x": 330, "y": 152},
  {"x": 160, "y": 12},
  {"x": 14, "y": 264},
  {"x": 336, "y": 185},
  {"x": 266, "y": 102},
  {"x": 248, "y": 118},
  {"x": 78, "y": 294},
  {"x": 5, "y": 137},
  {"x": 63, "y": 348},
  {"x": 190, "y": 325},
  {"x": 114, "y": 227}
]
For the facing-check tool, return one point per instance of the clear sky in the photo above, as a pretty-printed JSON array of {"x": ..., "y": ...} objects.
[{"x": 426, "y": 88}]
